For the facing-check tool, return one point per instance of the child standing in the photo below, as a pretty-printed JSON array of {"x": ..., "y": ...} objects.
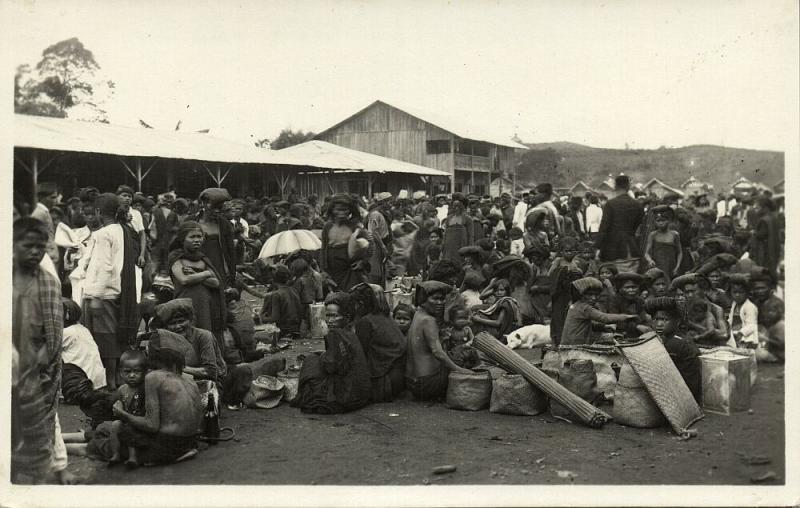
[
  {"x": 403, "y": 315},
  {"x": 517, "y": 243},
  {"x": 308, "y": 289},
  {"x": 743, "y": 316},
  {"x": 663, "y": 247}
]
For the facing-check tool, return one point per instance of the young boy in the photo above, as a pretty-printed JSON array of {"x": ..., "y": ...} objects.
[
  {"x": 403, "y": 314},
  {"x": 517, "y": 243},
  {"x": 666, "y": 317},
  {"x": 457, "y": 339},
  {"x": 743, "y": 316},
  {"x": 582, "y": 313},
  {"x": 308, "y": 289}
]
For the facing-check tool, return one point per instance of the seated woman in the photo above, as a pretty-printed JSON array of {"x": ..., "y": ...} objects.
[
  {"x": 666, "y": 318},
  {"x": 383, "y": 343},
  {"x": 201, "y": 353},
  {"x": 582, "y": 314},
  {"x": 503, "y": 316},
  {"x": 337, "y": 380},
  {"x": 629, "y": 301}
]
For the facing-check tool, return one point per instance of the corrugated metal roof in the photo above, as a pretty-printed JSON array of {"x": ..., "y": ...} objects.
[
  {"x": 454, "y": 126},
  {"x": 322, "y": 154},
  {"x": 75, "y": 136}
]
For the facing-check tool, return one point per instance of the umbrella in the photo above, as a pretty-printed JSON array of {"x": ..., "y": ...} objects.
[{"x": 290, "y": 241}]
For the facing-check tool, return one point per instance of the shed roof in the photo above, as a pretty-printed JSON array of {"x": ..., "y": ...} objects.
[
  {"x": 322, "y": 154},
  {"x": 91, "y": 137},
  {"x": 454, "y": 126}
]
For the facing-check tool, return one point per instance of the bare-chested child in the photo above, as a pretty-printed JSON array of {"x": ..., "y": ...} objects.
[
  {"x": 173, "y": 413},
  {"x": 458, "y": 339},
  {"x": 427, "y": 364}
]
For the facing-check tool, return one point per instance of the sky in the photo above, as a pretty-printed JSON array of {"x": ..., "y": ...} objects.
[{"x": 605, "y": 74}]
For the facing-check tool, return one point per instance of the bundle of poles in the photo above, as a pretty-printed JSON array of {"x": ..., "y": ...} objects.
[{"x": 511, "y": 361}]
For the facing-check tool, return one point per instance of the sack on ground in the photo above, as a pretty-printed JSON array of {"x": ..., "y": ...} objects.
[
  {"x": 469, "y": 392},
  {"x": 577, "y": 376},
  {"x": 602, "y": 357},
  {"x": 633, "y": 406},
  {"x": 512, "y": 394}
]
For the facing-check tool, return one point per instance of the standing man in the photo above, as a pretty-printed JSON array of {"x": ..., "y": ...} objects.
[
  {"x": 136, "y": 222},
  {"x": 622, "y": 215},
  {"x": 109, "y": 304},
  {"x": 47, "y": 198},
  {"x": 475, "y": 213},
  {"x": 521, "y": 211},
  {"x": 162, "y": 231},
  {"x": 594, "y": 215}
]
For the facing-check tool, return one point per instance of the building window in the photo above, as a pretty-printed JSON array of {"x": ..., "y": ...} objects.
[{"x": 434, "y": 146}]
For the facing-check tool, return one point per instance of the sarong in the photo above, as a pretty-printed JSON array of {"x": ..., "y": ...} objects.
[
  {"x": 155, "y": 448},
  {"x": 432, "y": 387},
  {"x": 102, "y": 322}
]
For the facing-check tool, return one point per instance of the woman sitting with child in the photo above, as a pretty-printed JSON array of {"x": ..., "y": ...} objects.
[{"x": 502, "y": 316}]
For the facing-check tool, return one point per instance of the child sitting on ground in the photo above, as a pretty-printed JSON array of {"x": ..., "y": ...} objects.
[
  {"x": 605, "y": 274},
  {"x": 403, "y": 314},
  {"x": 104, "y": 442},
  {"x": 457, "y": 339},
  {"x": 743, "y": 316}
]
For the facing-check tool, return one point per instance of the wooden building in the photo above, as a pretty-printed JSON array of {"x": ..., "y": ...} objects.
[
  {"x": 473, "y": 160},
  {"x": 693, "y": 187},
  {"x": 660, "y": 189}
]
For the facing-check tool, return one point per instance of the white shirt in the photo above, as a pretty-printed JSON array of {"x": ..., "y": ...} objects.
[
  {"x": 722, "y": 208},
  {"x": 80, "y": 349},
  {"x": 137, "y": 221},
  {"x": 520, "y": 212},
  {"x": 245, "y": 227},
  {"x": 517, "y": 247},
  {"x": 594, "y": 215},
  {"x": 748, "y": 313},
  {"x": 441, "y": 212},
  {"x": 103, "y": 263}
]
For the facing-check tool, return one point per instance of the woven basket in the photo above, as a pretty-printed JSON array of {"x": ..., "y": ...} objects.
[
  {"x": 513, "y": 395},
  {"x": 469, "y": 392},
  {"x": 291, "y": 384},
  {"x": 664, "y": 383},
  {"x": 633, "y": 406}
]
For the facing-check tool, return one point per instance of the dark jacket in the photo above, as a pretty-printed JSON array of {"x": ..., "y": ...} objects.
[{"x": 616, "y": 238}]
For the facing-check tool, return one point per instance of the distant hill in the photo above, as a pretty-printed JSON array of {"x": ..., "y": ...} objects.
[{"x": 563, "y": 164}]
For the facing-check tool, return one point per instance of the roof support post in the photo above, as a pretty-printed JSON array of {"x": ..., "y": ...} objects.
[
  {"x": 471, "y": 182},
  {"x": 35, "y": 175},
  {"x": 370, "y": 180}
]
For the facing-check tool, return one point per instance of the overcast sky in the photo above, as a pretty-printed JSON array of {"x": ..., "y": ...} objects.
[{"x": 599, "y": 73}]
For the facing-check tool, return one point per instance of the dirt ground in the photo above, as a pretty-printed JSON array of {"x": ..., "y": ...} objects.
[{"x": 399, "y": 443}]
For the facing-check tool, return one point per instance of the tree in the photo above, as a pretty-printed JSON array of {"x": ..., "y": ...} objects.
[
  {"x": 263, "y": 143},
  {"x": 288, "y": 138},
  {"x": 539, "y": 166},
  {"x": 64, "y": 83}
]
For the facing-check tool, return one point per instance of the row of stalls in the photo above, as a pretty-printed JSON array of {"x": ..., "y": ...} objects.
[{"x": 76, "y": 154}]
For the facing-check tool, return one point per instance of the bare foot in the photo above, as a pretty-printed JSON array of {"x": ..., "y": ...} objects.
[{"x": 67, "y": 478}]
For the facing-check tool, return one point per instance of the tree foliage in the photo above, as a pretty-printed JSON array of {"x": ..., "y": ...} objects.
[
  {"x": 288, "y": 138},
  {"x": 65, "y": 83}
]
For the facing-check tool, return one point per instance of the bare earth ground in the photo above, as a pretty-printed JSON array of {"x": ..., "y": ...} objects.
[{"x": 399, "y": 443}]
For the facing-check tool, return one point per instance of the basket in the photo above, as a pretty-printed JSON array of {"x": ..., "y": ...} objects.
[
  {"x": 291, "y": 384},
  {"x": 469, "y": 392},
  {"x": 633, "y": 406},
  {"x": 512, "y": 394}
]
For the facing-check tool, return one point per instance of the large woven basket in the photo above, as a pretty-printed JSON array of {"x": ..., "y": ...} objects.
[{"x": 633, "y": 406}]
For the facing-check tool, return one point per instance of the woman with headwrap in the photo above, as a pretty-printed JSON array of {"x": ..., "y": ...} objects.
[
  {"x": 503, "y": 316},
  {"x": 202, "y": 356},
  {"x": 344, "y": 243},
  {"x": 195, "y": 277},
  {"x": 382, "y": 341},
  {"x": 338, "y": 380},
  {"x": 457, "y": 228},
  {"x": 218, "y": 243}
]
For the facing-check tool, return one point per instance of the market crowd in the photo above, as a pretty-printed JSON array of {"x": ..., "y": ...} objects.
[{"x": 97, "y": 275}]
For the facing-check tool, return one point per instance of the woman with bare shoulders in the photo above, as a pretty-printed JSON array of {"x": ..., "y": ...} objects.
[{"x": 344, "y": 243}]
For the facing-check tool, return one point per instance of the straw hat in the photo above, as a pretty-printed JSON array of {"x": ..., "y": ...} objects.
[
  {"x": 266, "y": 392},
  {"x": 587, "y": 283}
]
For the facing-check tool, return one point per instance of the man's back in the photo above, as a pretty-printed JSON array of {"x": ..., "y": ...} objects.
[
  {"x": 420, "y": 360},
  {"x": 180, "y": 411}
]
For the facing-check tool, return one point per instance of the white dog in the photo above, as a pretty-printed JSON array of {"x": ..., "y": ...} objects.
[{"x": 529, "y": 337}]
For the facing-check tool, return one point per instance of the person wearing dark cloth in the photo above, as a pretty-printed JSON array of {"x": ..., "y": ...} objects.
[
  {"x": 666, "y": 317},
  {"x": 284, "y": 308},
  {"x": 345, "y": 266},
  {"x": 502, "y": 316},
  {"x": 622, "y": 215},
  {"x": 165, "y": 224},
  {"x": 110, "y": 310},
  {"x": 562, "y": 273},
  {"x": 195, "y": 277},
  {"x": 628, "y": 300},
  {"x": 378, "y": 226},
  {"x": 765, "y": 248},
  {"x": 218, "y": 241},
  {"x": 36, "y": 335},
  {"x": 663, "y": 246},
  {"x": 458, "y": 228},
  {"x": 692, "y": 285},
  {"x": 201, "y": 353},
  {"x": 474, "y": 212},
  {"x": 383, "y": 343},
  {"x": 337, "y": 380},
  {"x": 427, "y": 364},
  {"x": 582, "y": 314},
  {"x": 578, "y": 219}
]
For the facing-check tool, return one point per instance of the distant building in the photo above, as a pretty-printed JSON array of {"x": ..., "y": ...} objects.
[
  {"x": 500, "y": 186},
  {"x": 606, "y": 188},
  {"x": 693, "y": 187},
  {"x": 660, "y": 189},
  {"x": 743, "y": 187},
  {"x": 580, "y": 189},
  {"x": 472, "y": 159}
]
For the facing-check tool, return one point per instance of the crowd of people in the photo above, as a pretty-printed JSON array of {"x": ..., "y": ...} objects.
[{"x": 97, "y": 275}]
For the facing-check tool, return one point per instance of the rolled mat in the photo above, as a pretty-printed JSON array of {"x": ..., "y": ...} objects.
[
  {"x": 664, "y": 383},
  {"x": 587, "y": 413}
]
